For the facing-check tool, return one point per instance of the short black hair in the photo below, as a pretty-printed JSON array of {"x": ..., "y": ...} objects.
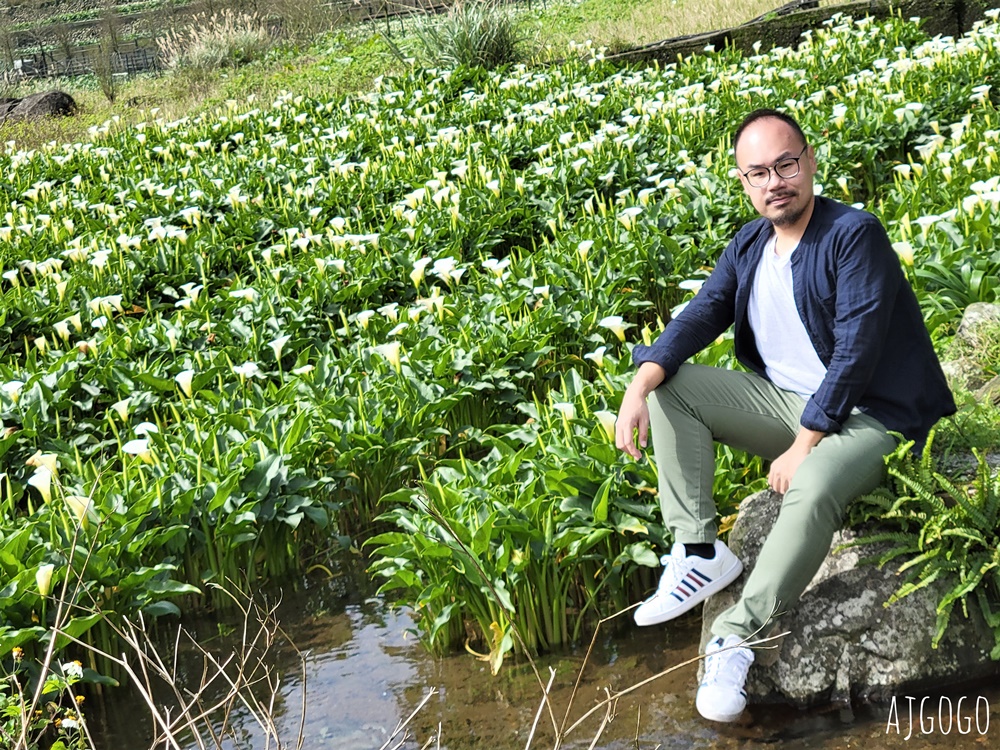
[{"x": 765, "y": 114}]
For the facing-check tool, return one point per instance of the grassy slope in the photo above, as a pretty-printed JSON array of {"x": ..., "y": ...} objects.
[
  {"x": 349, "y": 60},
  {"x": 621, "y": 24}
]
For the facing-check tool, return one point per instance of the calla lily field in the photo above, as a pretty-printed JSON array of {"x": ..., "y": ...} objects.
[{"x": 406, "y": 317}]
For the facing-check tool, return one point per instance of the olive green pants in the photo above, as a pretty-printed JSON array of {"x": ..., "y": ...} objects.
[{"x": 700, "y": 405}]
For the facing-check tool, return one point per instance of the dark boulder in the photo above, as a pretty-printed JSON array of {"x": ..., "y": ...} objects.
[{"x": 34, "y": 106}]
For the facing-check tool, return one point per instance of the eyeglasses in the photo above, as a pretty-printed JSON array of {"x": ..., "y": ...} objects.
[{"x": 786, "y": 169}]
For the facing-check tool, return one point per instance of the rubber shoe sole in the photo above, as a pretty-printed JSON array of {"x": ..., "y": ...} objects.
[{"x": 709, "y": 712}]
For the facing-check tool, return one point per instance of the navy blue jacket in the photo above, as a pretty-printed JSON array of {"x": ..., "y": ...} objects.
[{"x": 858, "y": 309}]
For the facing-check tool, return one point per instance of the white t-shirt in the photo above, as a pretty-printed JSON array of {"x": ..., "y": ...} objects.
[{"x": 790, "y": 360}]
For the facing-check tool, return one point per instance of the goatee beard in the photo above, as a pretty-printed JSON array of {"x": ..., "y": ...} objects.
[{"x": 790, "y": 217}]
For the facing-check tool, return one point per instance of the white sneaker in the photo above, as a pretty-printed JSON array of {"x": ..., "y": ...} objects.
[
  {"x": 721, "y": 695},
  {"x": 687, "y": 580}
]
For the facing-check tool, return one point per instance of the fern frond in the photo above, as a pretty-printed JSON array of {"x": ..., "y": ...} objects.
[
  {"x": 943, "y": 618},
  {"x": 992, "y": 618},
  {"x": 912, "y": 587},
  {"x": 971, "y": 534},
  {"x": 920, "y": 488},
  {"x": 962, "y": 499},
  {"x": 961, "y": 590},
  {"x": 899, "y": 537},
  {"x": 927, "y": 457},
  {"x": 988, "y": 489}
]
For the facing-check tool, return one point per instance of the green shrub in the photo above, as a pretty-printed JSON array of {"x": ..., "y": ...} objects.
[{"x": 474, "y": 34}]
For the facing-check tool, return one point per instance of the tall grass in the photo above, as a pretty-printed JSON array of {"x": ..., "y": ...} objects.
[
  {"x": 474, "y": 33},
  {"x": 220, "y": 40}
]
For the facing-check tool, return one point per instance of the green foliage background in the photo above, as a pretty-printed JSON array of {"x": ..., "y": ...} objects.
[{"x": 226, "y": 339}]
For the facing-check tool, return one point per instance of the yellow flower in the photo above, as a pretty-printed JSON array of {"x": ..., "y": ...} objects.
[{"x": 905, "y": 252}]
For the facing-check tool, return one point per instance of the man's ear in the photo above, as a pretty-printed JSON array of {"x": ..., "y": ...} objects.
[
  {"x": 743, "y": 181},
  {"x": 811, "y": 156}
]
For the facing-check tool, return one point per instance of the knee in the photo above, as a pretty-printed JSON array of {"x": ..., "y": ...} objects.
[{"x": 816, "y": 505}]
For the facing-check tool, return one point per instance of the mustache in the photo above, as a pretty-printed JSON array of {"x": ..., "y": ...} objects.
[{"x": 779, "y": 196}]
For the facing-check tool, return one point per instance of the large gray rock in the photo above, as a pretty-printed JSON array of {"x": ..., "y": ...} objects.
[
  {"x": 33, "y": 106},
  {"x": 842, "y": 643},
  {"x": 977, "y": 317},
  {"x": 990, "y": 391},
  {"x": 964, "y": 371}
]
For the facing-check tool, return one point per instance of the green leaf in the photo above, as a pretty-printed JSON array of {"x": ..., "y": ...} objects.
[
  {"x": 600, "y": 506},
  {"x": 161, "y": 608}
]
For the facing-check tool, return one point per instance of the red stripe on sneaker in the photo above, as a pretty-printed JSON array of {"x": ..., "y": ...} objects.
[{"x": 686, "y": 586}]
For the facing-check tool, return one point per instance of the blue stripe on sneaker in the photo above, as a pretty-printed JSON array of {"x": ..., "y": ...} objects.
[
  {"x": 701, "y": 575},
  {"x": 691, "y": 588},
  {"x": 674, "y": 594}
]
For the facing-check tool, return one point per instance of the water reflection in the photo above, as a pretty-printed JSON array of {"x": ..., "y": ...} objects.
[{"x": 364, "y": 674}]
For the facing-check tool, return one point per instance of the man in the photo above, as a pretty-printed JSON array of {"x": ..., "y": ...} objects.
[{"x": 838, "y": 356}]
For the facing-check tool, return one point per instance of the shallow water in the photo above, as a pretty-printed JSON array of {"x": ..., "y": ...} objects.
[{"x": 364, "y": 675}]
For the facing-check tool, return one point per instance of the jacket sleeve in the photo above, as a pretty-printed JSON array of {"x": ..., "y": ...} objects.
[
  {"x": 700, "y": 323},
  {"x": 868, "y": 278}
]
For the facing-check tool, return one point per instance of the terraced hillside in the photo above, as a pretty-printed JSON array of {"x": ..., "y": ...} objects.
[{"x": 27, "y": 25}]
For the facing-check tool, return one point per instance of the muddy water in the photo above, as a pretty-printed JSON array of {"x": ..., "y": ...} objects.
[{"x": 364, "y": 675}]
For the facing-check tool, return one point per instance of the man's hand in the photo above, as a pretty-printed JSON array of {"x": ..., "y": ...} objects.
[
  {"x": 633, "y": 416},
  {"x": 783, "y": 468}
]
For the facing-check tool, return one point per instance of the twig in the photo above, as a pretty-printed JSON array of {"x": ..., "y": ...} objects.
[
  {"x": 579, "y": 675},
  {"x": 194, "y": 713},
  {"x": 402, "y": 725},
  {"x": 538, "y": 715},
  {"x": 604, "y": 721}
]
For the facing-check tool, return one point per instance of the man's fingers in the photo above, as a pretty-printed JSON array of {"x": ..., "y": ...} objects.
[
  {"x": 643, "y": 431},
  {"x": 625, "y": 440},
  {"x": 632, "y": 422}
]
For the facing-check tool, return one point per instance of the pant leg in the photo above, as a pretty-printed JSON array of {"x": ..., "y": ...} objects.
[
  {"x": 701, "y": 405},
  {"x": 842, "y": 466}
]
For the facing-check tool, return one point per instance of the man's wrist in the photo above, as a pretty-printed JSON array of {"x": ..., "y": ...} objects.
[
  {"x": 808, "y": 439},
  {"x": 646, "y": 379}
]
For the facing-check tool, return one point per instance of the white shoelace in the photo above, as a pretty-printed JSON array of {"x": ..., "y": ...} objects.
[
  {"x": 674, "y": 569},
  {"x": 736, "y": 660}
]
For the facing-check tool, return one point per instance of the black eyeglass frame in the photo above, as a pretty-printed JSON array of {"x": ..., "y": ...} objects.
[{"x": 774, "y": 168}]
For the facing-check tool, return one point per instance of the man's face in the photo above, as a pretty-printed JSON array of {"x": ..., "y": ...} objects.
[{"x": 764, "y": 143}]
